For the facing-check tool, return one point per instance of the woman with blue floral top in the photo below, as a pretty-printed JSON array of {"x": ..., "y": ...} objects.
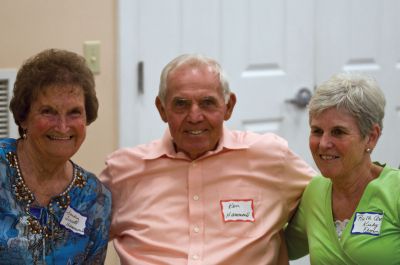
[{"x": 52, "y": 211}]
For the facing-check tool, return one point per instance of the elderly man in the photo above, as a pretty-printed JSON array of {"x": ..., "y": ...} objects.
[{"x": 202, "y": 194}]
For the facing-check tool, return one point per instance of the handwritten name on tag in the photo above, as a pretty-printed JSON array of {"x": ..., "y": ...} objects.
[
  {"x": 367, "y": 223},
  {"x": 74, "y": 221},
  {"x": 237, "y": 210}
]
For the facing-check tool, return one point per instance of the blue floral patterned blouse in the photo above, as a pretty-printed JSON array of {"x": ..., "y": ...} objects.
[{"x": 72, "y": 229}]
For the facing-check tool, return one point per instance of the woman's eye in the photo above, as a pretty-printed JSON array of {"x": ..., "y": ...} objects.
[
  {"x": 46, "y": 112},
  {"x": 337, "y": 132},
  {"x": 316, "y": 131},
  {"x": 76, "y": 113}
]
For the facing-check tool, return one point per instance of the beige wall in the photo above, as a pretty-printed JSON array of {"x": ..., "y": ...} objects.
[{"x": 28, "y": 27}]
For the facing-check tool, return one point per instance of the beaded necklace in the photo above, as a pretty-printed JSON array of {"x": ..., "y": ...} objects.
[{"x": 25, "y": 196}]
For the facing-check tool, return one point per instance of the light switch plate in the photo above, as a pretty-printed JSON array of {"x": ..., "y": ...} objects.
[{"x": 91, "y": 52}]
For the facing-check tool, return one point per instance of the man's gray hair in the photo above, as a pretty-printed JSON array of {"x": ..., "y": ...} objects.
[{"x": 193, "y": 60}]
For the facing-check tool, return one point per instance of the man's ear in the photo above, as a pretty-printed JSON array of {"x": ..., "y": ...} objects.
[
  {"x": 161, "y": 109},
  {"x": 230, "y": 106}
]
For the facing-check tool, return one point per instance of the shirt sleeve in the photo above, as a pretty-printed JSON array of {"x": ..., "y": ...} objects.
[
  {"x": 119, "y": 177},
  {"x": 107, "y": 179},
  {"x": 295, "y": 177},
  {"x": 101, "y": 226}
]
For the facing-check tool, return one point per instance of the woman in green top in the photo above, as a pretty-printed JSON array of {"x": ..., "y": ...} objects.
[{"x": 349, "y": 214}]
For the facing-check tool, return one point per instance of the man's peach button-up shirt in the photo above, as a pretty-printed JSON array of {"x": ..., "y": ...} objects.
[{"x": 227, "y": 207}]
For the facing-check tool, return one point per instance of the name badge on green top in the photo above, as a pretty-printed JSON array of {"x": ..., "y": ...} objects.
[{"x": 367, "y": 223}]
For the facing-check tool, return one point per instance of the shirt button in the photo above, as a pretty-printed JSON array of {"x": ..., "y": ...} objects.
[
  {"x": 196, "y": 197},
  {"x": 195, "y": 257},
  {"x": 196, "y": 229}
]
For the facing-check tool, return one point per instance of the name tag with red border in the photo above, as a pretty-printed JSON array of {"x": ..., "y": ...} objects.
[{"x": 237, "y": 210}]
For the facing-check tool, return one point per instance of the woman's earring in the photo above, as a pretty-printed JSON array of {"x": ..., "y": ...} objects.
[
  {"x": 24, "y": 134},
  {"x": 368, "y": 150}
]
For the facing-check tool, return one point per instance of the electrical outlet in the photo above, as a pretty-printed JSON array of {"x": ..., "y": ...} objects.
[{"x": 91, "y": 52}]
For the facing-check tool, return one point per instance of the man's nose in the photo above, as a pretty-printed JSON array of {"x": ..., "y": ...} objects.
[{"x": 195, "y": 113}]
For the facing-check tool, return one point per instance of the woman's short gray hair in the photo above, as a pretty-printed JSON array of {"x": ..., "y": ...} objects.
[
  {"x": 193, "y": 60},
  {"x": 358, "y": 94}
]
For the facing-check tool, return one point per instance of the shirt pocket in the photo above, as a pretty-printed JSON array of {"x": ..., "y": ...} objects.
[{"x": 239, "y": 213}]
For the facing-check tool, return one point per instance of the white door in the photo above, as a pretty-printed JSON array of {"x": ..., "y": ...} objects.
[
  {"x": 266, "y": 48},
  {"x": 364, "y": 36}
]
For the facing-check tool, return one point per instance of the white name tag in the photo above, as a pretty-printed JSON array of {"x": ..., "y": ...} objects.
[
  {"x": 237, "y": 210},
  {"x": 74, "y": 221},
  {"x": 367, "y": 223}
]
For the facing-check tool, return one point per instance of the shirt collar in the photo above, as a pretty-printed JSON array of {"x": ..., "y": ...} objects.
[{"x": 165, "y": 146}]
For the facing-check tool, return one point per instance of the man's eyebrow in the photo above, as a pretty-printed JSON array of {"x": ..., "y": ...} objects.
[
  {"x": 180, "y": 98},
  {"x": 208, "y": 97}
]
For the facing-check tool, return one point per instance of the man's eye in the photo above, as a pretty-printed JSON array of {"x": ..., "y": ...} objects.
[
  {"x": 208, "y": 103},
  {"x": 180, "y": 103}
]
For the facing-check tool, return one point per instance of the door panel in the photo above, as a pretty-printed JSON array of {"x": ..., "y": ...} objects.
[
  {"x": 160, "y": 34},
  {"x": 158, "y": 38},
  {"x": 267, "y": 49}
]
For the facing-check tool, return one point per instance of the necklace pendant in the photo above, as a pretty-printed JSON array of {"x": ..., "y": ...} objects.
[
  {"x": 34, "y": 226},
  {"x": 63, "y": 201}
]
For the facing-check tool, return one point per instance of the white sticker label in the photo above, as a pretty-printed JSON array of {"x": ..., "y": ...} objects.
[
  {"x": 74, "y": 221},
  {"x": 367, "y": 223},
  {"x": 237, "y": 210}
]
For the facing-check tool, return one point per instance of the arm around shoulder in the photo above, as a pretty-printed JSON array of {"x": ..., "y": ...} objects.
[{"x": 296, "y": 236}]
